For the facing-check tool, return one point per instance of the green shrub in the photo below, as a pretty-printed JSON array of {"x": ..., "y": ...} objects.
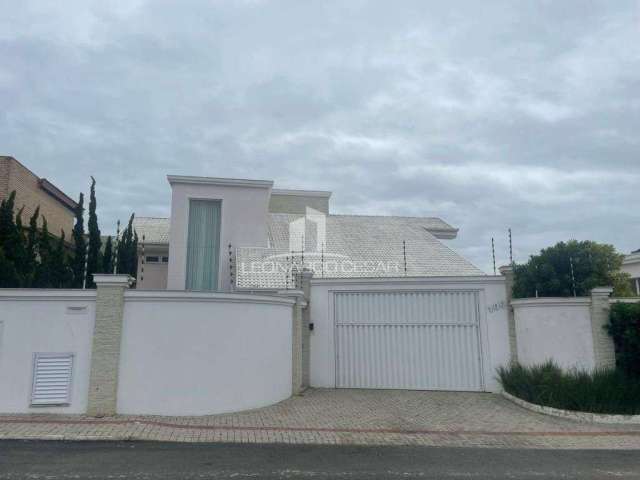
[
  {"x": 624, "y": 328},
  {"x": 601, "y": 391}
]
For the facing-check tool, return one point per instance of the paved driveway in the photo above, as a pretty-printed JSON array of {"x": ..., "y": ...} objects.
[{"x": 368, "y": 417}]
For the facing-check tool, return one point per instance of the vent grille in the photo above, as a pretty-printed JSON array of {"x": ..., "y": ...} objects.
[{"x": 52, "y": 373}]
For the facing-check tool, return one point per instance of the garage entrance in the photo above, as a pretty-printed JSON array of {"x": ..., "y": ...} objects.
[{"x": 415, "y": 340}]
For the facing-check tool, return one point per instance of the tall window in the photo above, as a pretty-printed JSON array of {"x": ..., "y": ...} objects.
[{"x": 203, "y": 245}]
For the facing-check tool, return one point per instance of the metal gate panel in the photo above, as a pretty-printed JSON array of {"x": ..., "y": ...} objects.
[{"x": 422, "y": 340}]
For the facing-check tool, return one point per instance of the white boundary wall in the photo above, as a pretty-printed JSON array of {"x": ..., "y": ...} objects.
[
  {"x": 44, "y": 321},
  {"x": 494, "y": 332},
  {"x": 189, "y": 353},
  {"x": 555, "y": 328},
  {"x": 181, "y": 353}
]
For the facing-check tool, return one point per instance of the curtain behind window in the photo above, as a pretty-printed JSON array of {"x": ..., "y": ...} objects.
[{"x": 203, "y": 245}]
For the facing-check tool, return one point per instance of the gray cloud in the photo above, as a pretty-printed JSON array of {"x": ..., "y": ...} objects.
[{"x": 488, "y": 114}]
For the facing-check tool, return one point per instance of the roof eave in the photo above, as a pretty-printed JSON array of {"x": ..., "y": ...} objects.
[
  {"x": 222, "y": 182},
  {"x": 444, "y": 233}
]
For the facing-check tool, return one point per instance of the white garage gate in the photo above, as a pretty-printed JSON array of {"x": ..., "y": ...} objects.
[{"x": 418, "y": 340}]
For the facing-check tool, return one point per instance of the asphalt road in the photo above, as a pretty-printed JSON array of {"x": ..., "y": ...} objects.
[{"x": 147, "y": 460}]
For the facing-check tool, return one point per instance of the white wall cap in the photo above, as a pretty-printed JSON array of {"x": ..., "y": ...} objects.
[
  {"x": 301, "y": 193},
  {"x": 505, "y": 269},
  {"x": 40, "y": 294},
  {"x": 463, "y": 279},
  {"x": 215, "y": 181},
  {"x": 111, "y": 279},
  {"x": 188, "y": 296},
  {"x": 297, "y": 295},
  {"x": 602, "y": 291},
  {"x": 551, "y": 301},
  {"x": 631, "y": 258}
]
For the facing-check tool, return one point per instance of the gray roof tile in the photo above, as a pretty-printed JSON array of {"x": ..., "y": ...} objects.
[{"x": 355, "y": 246}]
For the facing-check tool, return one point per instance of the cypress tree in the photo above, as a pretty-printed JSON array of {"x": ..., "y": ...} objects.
[
  {"x": 6, "y": 216},
  {"x": 107, "y": 257},
  {"x": 60, "y": 272},
  {"x": 44, "y": 277},
  {"x": 127, "y": 260},
  {"x": 9, "y": 275},
  {"x": 32, "y": 246},
  {"x": 15, "y": 249},
  {"x": 79, "y": 246},
  {"x": 94, "y": 237}
]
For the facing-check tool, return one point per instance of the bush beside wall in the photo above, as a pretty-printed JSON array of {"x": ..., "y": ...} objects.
[
  {"x": 624, "y": 328},
  {"x": 603, "y": 391}
]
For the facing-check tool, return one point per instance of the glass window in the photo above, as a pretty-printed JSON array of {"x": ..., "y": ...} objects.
[
  {"x": 203, "y": 245},
  {"x": 151, "y": 259}
]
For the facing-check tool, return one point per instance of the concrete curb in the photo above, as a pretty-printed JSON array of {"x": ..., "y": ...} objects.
[{"x": 577, "y": 416}]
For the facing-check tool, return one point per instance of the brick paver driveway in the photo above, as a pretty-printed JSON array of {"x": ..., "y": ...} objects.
[{"x": 371, "y": 417}]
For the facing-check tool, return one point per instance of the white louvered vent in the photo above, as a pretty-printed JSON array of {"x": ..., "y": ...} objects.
[{"x": 52, "y": 373}]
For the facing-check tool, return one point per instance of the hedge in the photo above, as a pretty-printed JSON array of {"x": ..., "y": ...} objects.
[
  {"x": 601, "y": 391},
  {"x": 624, "y": 328}
]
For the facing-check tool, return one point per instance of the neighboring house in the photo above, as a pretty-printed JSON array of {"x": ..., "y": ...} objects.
[
  {"x": 33, "y": 191},
  {"x": 631, "y": 265},
  {"x": 227, "y": 234}
]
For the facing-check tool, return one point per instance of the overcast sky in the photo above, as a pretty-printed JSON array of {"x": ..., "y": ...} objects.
[{"x": 487, "y": 114}]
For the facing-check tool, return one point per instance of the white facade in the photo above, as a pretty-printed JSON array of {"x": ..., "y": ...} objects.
[
  {"x": 557, "y": 329},
  {"x": 244, "y": 207},
  {"x": 492, "y": 320},
  {"x": 631, "y": 265},
  {"x": 152, "y": 268},
  {"x": 44, "y": 321},
  {"x": 202, "y": 353},
  {"x": 181, "y": 353}
]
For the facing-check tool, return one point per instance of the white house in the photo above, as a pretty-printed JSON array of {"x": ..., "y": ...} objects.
[
  {"x": 227, "y": 234},
  {"x": 381, "y": 286},
  {"x": 631, "y": 265},
  {"x": 248, "y": 294}
]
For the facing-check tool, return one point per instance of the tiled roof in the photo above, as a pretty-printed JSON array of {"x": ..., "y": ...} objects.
[
  {"x": 155, "y": 230},
  {"x": 362, "y": 246},
  {"x": 373, "y": 241}
]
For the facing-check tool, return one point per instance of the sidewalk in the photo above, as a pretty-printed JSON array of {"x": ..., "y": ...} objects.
[{"x": 346, "y": 417}]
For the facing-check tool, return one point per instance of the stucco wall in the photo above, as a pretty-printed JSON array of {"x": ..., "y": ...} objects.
[
  {"x": 243, "y": 224},
  {"x": 494, "y": 335},
  {"x": 291, "y": 202},
  {"x": 155, "y": 274},
  {"x": 201, "y": 353},
  {"x": 554, "y": 328},
  {"x": 43, "y": 321},
  {"x": 632, "y": 269}
]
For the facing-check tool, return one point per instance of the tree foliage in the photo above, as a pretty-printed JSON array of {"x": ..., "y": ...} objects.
[
  {"x": 33, "y": 258},
  {"x": 79, "y": 245},
  {"x": 93, "y": 252},
  {"x": 9, "y": 276},
  {"x": 624, "y": 328},
  {"x": 127, "y": 255},
  {"x": 61, "y": 274},
  {"x": 571, "y": 268},
  {"x": 44, "y": 271},
  {"x": 107, "y": 256},
  {"x": 32, "y": 242}
]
